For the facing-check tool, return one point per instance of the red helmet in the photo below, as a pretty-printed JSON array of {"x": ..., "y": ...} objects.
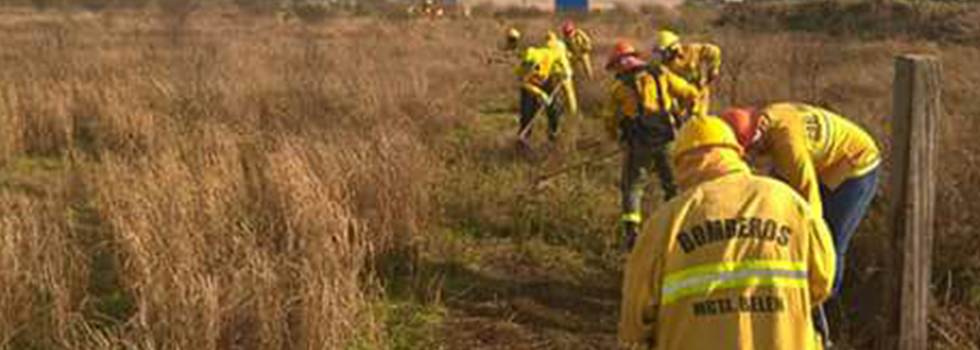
[
  {"x": 623, "y": 49},
  {"x": 745, "y": 123},
  {"x": 568, "y": 27}
]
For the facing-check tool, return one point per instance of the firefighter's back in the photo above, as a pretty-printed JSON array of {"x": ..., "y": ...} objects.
[{"x": 736, "y": 269}]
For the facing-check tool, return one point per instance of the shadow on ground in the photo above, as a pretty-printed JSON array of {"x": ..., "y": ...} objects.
[{"x": 492, "y": 310}]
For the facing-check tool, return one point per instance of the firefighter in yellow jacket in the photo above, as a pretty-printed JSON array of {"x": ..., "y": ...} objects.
[
  {"x": 826, "y": 158},
  {"x": 542, "y": 75},
  {"x": 736, "y": 261},
  {"x": 639, "y": 110},
  {"x": 579, "y": 46},
  {"x": 698, "y": 63}
]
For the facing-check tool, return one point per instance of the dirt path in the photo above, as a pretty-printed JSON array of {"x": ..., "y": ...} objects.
[
  {"x": 527, "y": 267},
  {"x": 514, "y": 304}
]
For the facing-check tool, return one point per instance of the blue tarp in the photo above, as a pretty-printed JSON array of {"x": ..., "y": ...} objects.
[{"x": 572, "y": 5}]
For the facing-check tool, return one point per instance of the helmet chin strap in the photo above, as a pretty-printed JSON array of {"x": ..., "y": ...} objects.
[{"x": 756, "y": 136}]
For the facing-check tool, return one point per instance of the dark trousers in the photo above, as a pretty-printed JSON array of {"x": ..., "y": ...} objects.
[
  {"x": 529, "y": 109},
  {"x": 646, "y": 151}
]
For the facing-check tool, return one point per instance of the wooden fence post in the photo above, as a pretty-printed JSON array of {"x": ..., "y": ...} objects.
[{"x": 917, "y": 112}]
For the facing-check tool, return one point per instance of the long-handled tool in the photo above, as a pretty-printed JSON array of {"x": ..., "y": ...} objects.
[
  {"x": 522, "y": 134},
  {"x": 544, "y": 178}
]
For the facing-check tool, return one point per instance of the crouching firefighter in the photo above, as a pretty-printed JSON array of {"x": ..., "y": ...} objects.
[
  {"x": 542, "y": 75},
  {"x": 639, "y": 109},
  {"x": 735, "y": 261}
]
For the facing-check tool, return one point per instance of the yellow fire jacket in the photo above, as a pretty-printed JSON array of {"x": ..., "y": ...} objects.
[
  {"x": 622, "y": 99},
  {"x": 811, "y": 145},
  {"x": 737, "y": 261},
  {"x": 551, "y": 64},
  {"x": 697, "y": 63},
  {"x": 534, "y": 70}
]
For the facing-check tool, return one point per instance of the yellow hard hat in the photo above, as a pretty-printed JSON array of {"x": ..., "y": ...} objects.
[
  {"x": 702, "y": 132},
  {"x": 513, "y": 34},
  {"x": 665, "y": 39}
]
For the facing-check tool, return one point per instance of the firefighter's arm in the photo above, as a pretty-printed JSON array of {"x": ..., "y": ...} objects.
[
  {"x": 642, "y": 283},
  {"x": 536, "y": 91},
  {"x": 711, "y": 59},
  {"x": 822, "y": 259},
  {"x": 681, "y": 90},
  {"x": 794, "y": 164}
]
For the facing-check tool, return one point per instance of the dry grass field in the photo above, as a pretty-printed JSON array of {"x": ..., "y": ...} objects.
[{"x": 220, "y": 179}]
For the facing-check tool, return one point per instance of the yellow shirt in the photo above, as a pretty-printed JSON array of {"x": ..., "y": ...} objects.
[
  {"x": 696, "y": 62},
  {"x": 737, "y": 261},
  {"x": 622, "y": 102},
  {"x": 811, "y": 145}
]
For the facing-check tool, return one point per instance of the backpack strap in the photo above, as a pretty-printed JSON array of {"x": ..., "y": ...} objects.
[{"x": 657, "y": 74}]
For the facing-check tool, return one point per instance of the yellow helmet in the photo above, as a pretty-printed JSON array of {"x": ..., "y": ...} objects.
[
  {"x": 665, "y": 40},
  {"x": 513, "y": 34},
  {"x": 702, "y": 132}
]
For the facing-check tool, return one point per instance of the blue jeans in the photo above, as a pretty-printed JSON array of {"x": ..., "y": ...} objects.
[{"x": 843, "y": 209}]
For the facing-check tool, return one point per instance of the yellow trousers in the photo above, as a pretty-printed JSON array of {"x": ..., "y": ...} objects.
[{"x": 584, "y": 63}]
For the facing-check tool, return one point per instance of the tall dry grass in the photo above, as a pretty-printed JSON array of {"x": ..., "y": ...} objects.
[{"x": 230, "y": 190}]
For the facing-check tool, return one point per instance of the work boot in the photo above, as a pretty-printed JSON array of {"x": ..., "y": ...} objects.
[{"x": 552, "y": 136}]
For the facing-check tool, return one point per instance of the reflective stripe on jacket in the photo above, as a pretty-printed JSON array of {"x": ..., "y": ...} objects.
[
  {"x": 811, "y": 145},
  {"x": 737, "y": 261}
]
